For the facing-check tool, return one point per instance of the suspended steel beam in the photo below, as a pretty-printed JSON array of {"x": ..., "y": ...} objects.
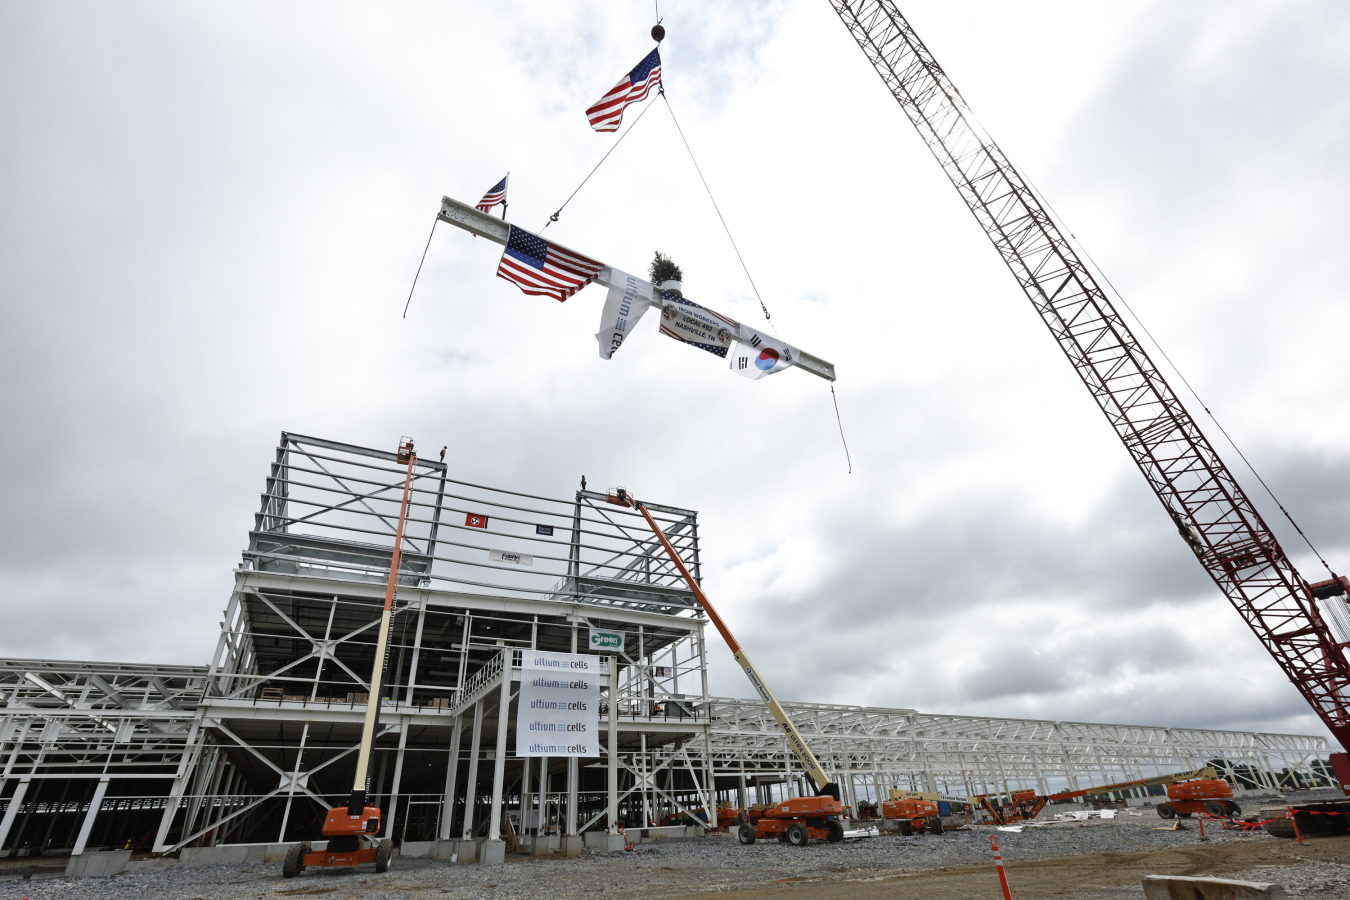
[{"x": 485, "y": 226}]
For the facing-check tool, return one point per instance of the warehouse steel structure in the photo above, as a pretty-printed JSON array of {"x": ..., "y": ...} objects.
[{"x": 256, "y": 746}]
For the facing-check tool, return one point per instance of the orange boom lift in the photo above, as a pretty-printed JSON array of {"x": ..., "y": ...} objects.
[
  {"x": 1187, "y": 792},
  {"x": 798, "y": 819},
  {"x": 351, "y": 830}
]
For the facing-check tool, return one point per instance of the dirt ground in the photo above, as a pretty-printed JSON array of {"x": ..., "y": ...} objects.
[
  {"x": 1097, "y": 860},
  {"x": 1088, "y": 877}
]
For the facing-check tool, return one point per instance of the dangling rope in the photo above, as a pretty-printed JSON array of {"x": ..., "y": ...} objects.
[
  {"x": 767, "y": 317},
  {"x": 834, "y": 397},
  {"x": 553, "y": 218},
  {"x": 419, "y": 265},
  {"x": 841, "y": 428}
]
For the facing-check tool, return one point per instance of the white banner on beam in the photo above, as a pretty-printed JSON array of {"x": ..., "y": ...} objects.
[{"x": 558, "y": 713}]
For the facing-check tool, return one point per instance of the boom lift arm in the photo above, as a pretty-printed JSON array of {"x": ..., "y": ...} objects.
[
  {"x": 820, "y": 782},
  {"x": 1198, "y": 492},
  {"x": 1027, "y": 804},
  {"x": 356, "y": 803},
  {"x": 346, "y": 827}
]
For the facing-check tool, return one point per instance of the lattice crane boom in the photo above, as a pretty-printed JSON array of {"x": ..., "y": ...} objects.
[{"x": 1199, "y": 493}]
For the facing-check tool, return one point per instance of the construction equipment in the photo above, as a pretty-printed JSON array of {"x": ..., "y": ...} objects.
[
  {"x": 1208, "y": 795},
  {"x": 915, "y": 815},
  {"x": 796, "y": 820},
  {"x": 1202, "y": 499},
  {"x": 1025, "y": 805},
  {"x": 351, "y": 830}
]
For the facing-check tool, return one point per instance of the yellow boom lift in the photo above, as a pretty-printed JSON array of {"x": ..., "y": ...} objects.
[{"x": 795, "y": 820}]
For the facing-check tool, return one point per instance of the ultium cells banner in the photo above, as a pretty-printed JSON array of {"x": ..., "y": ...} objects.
[{"x": 559, "y": 706}]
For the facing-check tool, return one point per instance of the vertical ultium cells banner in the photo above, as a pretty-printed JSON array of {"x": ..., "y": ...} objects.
[{"x": 559, "y": 707}]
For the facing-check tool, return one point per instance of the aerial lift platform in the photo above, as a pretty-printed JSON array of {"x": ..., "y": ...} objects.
[
  {"x": 352, "y": 830},
  {"x": 796, "y": 820}
]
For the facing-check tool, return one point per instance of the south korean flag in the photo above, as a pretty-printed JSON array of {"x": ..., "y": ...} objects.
[{"x": 757, "y": 354}]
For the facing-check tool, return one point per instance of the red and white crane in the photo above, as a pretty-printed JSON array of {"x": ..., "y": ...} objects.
[{"x": 1215, "y": 517}]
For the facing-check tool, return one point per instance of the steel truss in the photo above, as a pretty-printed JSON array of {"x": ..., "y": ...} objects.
[
  {"x": 873, "y": 750},
  {"x": 77, "y": 738},
  {"x": 256, "y": 746}
]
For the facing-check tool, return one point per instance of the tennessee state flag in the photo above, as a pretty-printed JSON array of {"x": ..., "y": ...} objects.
[{"x": 474, "y": 520}]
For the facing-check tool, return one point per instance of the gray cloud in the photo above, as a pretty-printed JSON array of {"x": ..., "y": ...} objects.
[{"x": 211, "y": 215}]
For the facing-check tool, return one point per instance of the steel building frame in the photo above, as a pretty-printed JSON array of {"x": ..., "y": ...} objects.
[
  {"x": 257, "y": 745},
  {"x": 872, "y": 750}
]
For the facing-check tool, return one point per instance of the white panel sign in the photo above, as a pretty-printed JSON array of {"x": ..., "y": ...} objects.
[
  {"x": 506, "y": 556},
  {"x": 559, "y": 707}
]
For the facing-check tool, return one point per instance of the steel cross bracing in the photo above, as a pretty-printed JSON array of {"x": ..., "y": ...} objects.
[
  {"x": 330, "y": 509},
  {"x": 68, "y": 715},
  {"x": 210, "y": 761},
  {"x": 249, "y": 748},
  {"x": 1202, "y": 497},
  {"x": 80, "y": 740},
  {"x": 956, "y": 753}
]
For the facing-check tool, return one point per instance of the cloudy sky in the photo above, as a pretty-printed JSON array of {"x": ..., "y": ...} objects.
[{"x": 211, "y": 214}]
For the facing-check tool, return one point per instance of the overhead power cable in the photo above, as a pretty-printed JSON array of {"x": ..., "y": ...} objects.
[{"x": 1213, "y": 418}]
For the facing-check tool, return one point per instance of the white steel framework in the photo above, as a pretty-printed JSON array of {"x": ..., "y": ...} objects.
[{"x": 256, "y": 746}]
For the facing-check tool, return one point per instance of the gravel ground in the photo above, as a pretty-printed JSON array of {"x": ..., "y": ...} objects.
[
  {"x": 1306, "y": 878},
  {"x": 663, "y": 868}
]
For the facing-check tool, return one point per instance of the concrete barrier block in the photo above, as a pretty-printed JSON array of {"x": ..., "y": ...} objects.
[
  {"x": 571, "y": 846},
  {"x": 603, "y": 841},
  {"x": 463, "y": 851},
  {"x": 224, "y": 855},
  {"x": 1188, "y": 887},
  {"x": 541, "y": 845},
  {"x": 492, "y": 853},
  {"x": 97, "y": 863},
  {"x": 416, "y": 849}
]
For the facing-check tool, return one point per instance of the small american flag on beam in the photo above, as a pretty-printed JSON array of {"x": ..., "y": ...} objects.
[
  {"x": 538, "y": 267},
  {"x": 607, "y": 112},
  {"x": 494, "y": 196}
]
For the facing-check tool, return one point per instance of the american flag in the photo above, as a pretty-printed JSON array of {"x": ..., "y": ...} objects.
[
  {"x": 538, "y": 267},
  {"x": 607, "y": 113},
  {"x": 494, "y": 196}
]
